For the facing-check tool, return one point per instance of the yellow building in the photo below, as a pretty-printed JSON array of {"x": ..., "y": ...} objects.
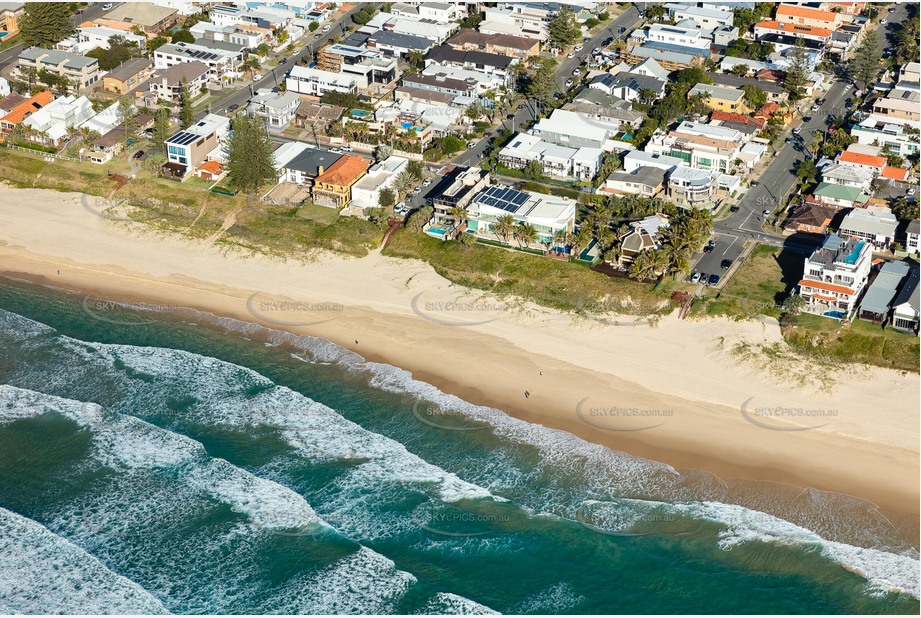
[
  {"x": 722, "y": 98},
  {"x": 333, "y": 187}
]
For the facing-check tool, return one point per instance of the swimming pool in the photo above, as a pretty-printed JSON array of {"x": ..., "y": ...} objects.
[
  {"x": 360, "y": 113},
  {"x": 838, "y": 315}
]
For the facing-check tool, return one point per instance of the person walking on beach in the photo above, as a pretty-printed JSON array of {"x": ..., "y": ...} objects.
[{"x": 527, "y": 394}]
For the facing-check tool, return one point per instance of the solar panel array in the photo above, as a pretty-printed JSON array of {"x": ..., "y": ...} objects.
[
  {"x": 199, "y": 54},
  {"x": 508, "y": 200},
  {"x": 183, "y": 138}
]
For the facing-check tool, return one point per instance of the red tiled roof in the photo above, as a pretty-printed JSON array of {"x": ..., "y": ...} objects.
[
  {"x": 35, "y": 103},
  {"x": 736, "y": 117},
  {"x": 828, "y": 287},
  {"x": 804, "y": 11},
  {"x": 896, "y": 173},
  {"x": 849, "y": 156},
  {"x": 787, "y": 27},
  {"x": 212, "y": 167},
  {"x": 345, "y": 171}
]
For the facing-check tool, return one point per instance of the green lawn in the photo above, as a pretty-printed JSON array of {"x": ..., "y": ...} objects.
[
  {"x": 762, "y": 284},
  {"x": 551, "y": 283},
  {"x": 759, "y": 287}
]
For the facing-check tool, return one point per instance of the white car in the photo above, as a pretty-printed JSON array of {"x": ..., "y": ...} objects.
[
  {"x": 571, "y": 55},
  {"x": 911, "y": 191},
  {"x": 106, "y": 6},
  {"x": 326, "y": 28},
  {"x": 569, "y": 83},
  {"x": 400, "y": 208},
  {"x": 882, "y": 21},
  {"x": 576, "y": 73},
  {"x": 797, "y": 131},
  {"x": 578, "y": 48},
  {"x": 426, "y": 182},
  {"x": 815, "y": 108}
]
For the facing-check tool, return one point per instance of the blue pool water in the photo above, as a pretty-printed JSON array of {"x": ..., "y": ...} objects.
[
  {"x": 852, "y": 258},
  {"x": 838, "y": 315},
  {"x": 360, "y": 113}
]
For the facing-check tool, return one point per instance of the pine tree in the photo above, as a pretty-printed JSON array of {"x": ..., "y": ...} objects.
[
  {"x": 563, "y": 29},
  {"x": 161, "y": 128},
  {"x": 45, "y": 24},
  {"x": 864, "y": 66},
  {"x": 797, "y": 71},
  {"x": 250, "y": 161},
  {"x": 185, "y": 106}
]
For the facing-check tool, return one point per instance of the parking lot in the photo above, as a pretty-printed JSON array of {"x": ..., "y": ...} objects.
[{"x": 727, "y": 247}]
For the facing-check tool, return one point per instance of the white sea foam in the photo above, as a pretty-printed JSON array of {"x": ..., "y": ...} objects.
[
  {"x": 451, "y": 604},
  {"x": 558, "y": 599},
  {"x": 363, "y": 582},
  {"x": 318, "y": 432},
  {"x": 42, "y": 573}
]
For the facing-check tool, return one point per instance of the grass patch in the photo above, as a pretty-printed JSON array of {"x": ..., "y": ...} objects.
[
  {"x": 173, "y": 207},
  {"x": 759, "y": 287},
  {"x": 551, "y": 283},
  {"x": 767, "y": 278},
  {"x": 858, "y": 341}
]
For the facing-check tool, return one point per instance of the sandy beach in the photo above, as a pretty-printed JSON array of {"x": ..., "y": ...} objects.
[{"x": 674, "y": 391}]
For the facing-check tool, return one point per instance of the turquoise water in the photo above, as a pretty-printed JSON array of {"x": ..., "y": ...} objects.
[
  {"x": 360, "y": 113},
  {"x": 174, "y": 462}
]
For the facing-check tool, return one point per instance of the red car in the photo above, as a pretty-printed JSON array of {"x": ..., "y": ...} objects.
[{"x": 138, "y": 154}]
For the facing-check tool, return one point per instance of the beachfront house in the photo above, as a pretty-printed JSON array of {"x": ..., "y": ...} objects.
[
  {"x": 877, "y": 302},
  {"x": 549, "y": 215},
  {"x": 835, "y": 275},
  {"x": 455, "y": 190},
  {"x": 877, "y": 228},
  {"x": 187, "y": 149},
  {"x": 906, "y": 310}
]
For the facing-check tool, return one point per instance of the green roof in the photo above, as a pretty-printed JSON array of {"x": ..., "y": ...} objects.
[{"x": 839, "y": 192}]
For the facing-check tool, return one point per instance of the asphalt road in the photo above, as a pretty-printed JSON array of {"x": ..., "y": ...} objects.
[
  {"x": 527, "y": 114},
  {"x": 274, "y": 76}
]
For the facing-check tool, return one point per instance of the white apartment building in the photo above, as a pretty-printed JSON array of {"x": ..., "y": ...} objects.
[
  {"x": 548, "y": 214},
  {"x": 277, "y": 109},
  {"x": 835, "y": 275},
  {"x": 876, "y": 228},
  {"x": 87, "y": 38},
  {"x": 220, "y": 61},
  {"x": 366, "y": 192},
  {"x": 705, "y": 18},
  {"x": 314, "y": 82},
  {"x": 684, "y": 36},
  {"x": 556, "y": 161},
  {"x": 701, "y": 146},
  {"x": 899, "y": 135}
]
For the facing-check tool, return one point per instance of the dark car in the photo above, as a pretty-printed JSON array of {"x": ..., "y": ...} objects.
[
  {"x": 607, "y": 41},
  {"x": 713, "y": 280},
  {"x": 704, "y": 277},
  {"x": 788, "y": 140},
  {"x": 726, "y": 264},
  {"x": 734, "y": 209},
  {"x": 708, "y": 248},
  {"x": 233, "y": 108},
  {"x": 138, "y": 154},
  {"x": 754, "y": 184}
]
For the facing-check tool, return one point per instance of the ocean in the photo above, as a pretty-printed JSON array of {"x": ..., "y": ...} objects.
[{"x": 174, "y": 462}]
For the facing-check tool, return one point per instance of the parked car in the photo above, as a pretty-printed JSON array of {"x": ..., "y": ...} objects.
[
  {"x": 471, "y": 144},
  {"x": 139, "y": 154},
  {"x": 766, "y": 213},
  {"x": 233, "y": 108},
  {"x": 346, "y": 149},
  {"x": 734, "y": 209},
  {"x": 704, "y": 277},
  {"x": 695, "y": 277},
  {"x": 326, "y": 28},
  {"x": 726, "y": 264},
  {"x": 426, "y": 182},
  {"x": 400, "y": 208},
  {"x": 713, "y": 279},
  {"x": 576, "y": 72},
  {"x": 106, "y": 6},
  {"x": 569, "y": 83},
  {"x": 815, "y": 108},
  {"x": 571, "y": 55},
  {"x": 417, "y": 190},
  {"x": 797, "y": 131},
  {"x": 788, "y": 140},
  {"x": 578, "y": 48},
  {"x": 607, "y": 41}
]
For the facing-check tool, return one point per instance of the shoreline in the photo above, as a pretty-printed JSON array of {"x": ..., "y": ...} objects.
[{"x": 865, "y": 449}]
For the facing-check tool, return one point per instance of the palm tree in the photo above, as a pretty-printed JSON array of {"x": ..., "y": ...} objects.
[
  {"x": 525, "y": 234},
  {"x": 402, "y": 182},
  {"x": 646, "y": 95},
  {"x": 561, "y": 238},
  {"x": 503, "y": 227},
  {"x": 642, "y": 265},
  {"x": 416, "y": 59},
  {"x": 458, "y": 214},
  {"x": 579, "y": 241}
]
